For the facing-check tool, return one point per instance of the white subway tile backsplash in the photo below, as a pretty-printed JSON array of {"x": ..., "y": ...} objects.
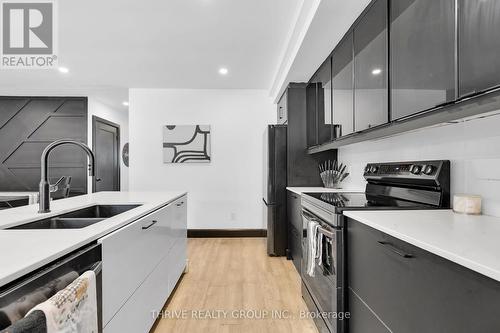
[{"x": 472, "y": 146}]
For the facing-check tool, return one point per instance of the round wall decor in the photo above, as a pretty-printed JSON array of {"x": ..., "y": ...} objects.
[{"x": 125, "y": 154}]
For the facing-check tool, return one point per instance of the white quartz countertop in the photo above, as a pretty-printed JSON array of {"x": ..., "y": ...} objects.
[
  {"x": 300, "y": 190},
  {"x": 23, "y": 251},
  {"x": 470, "y": 241}
]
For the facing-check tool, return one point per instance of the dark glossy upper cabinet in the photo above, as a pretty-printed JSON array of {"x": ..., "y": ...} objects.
[
  {"x": 422, "y": 53},
  {"x": 282, "y": 111},
  {"x": 479, "y": 45},
  {"x": 319, "y": 105},
  {"x": 370, "y": 68},
  {"x": 342, "y": 67}
]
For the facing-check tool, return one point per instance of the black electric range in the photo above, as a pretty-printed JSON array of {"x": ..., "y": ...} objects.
[
  {"x": 340, "y": 201},
  {"x": 400, "y": 185},
  {"x": 390, "y": 186}
]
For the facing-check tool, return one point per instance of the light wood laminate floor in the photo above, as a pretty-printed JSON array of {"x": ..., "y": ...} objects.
[{"x": 227, "y": 275}]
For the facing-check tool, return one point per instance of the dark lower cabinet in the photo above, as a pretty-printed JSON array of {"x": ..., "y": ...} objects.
[
  {"x": 478, "y": 45},
  {"x": 412, "y": 290},
  {"x": 294, "y": 228},
  {"x": 362, "y": 319}
]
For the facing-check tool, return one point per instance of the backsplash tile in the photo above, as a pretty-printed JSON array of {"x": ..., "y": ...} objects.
[{"x": 472, "y": 146}]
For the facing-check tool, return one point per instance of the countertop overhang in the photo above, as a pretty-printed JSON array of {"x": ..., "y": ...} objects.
[{"x": 23, "y": 251}]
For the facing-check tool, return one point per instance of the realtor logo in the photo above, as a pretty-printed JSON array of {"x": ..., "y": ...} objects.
[{"x": 28, "y": 36}]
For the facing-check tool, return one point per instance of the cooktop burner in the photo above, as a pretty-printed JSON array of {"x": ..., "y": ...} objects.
[{"x": 356, "y": 200}]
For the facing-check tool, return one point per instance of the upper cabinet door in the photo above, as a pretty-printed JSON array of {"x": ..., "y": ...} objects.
[
  {"x": 323, "y": 78},
  {"x": 342, "y": 67},
  {"x": 282, "y": 109},
  {"x": 370, "y": 68},
  {"x": 321, "y": 119},
  {"x": 422, "y": 50},
  {"x": 479, "y": 45},
  {"x": 311, "y": 101}
]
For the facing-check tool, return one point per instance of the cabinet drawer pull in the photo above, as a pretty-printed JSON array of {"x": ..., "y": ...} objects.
[
  {"x": 394, "y": 249},
  {"x": 180, "y": 204},
  {"x": 150, "y": 225}
]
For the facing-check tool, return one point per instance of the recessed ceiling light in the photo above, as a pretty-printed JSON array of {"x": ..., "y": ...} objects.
[
  {"x": 63, "y": 70},
  {"x": 376, "y": 71},
  {"x": 125, "y": 103},
  {"x": 223, "y": 71}
]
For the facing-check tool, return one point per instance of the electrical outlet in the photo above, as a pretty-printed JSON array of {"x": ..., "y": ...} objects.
[{"x": 232, "y": 217}]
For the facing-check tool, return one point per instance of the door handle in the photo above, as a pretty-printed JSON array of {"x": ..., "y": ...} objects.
[
  {"x": 150, "y": 225},
  {"x": 394, "y": 249}
]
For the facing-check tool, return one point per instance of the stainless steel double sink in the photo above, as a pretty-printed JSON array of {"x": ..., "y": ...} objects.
[{"x": 78, "y": 219}]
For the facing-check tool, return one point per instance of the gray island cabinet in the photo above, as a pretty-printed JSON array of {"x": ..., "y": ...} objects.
[{"x": 142, "y": 263}]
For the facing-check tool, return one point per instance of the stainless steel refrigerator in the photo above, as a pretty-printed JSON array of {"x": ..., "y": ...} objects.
[
  {"x": 275, "y": 182},
  {"x": 287, "y": 163}
]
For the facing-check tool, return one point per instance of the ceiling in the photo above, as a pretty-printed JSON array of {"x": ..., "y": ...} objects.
[
  {"x": 113, "y": 45},
  {"x": 323, "y": 27},
  {"x": 121, "y": 44}
]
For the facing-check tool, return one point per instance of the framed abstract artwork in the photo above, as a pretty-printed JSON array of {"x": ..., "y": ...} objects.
[{"x": 186, "y": 144}]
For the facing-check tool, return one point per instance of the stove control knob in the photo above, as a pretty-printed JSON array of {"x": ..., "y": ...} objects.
[
  {"x": 415, "y": 169},
  {"x": 428, "y": 169},
  {"x": 367, "y": 168},
  {"x": 373, "y": 169}
]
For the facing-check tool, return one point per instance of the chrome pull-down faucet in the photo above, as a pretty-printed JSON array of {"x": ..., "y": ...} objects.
[{"x": 44, "y": 195}]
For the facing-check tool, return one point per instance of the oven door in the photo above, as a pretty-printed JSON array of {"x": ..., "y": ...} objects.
[{"x": 325, "y": 282}]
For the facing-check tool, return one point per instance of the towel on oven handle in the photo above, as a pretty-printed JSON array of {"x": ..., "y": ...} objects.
[
  {"x": 73, "y": 309},
  {"x": 312, "y": 246}
]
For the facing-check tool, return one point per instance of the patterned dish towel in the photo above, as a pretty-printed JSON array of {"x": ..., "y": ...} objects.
[
  {"x": 73, "y": 309},
  {"x": 312, "y": 247},
  {"x": 15, "y": 311}
]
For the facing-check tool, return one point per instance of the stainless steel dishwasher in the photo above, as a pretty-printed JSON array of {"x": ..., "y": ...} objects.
[{"x": 20, "y": 295}]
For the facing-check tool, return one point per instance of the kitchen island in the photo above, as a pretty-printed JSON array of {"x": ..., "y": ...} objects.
[{"x": 143, "y": 250}]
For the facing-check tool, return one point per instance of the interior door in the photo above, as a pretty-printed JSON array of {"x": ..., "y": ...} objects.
[{"x": 106, "y": 147}]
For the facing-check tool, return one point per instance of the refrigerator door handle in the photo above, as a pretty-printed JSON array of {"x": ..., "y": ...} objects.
[{"x": 268, "y": 204}]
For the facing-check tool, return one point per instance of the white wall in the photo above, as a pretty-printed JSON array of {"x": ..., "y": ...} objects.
[
  {"x": 472, "y": 146},
  {"x": 225, "y": 193},
  {"x": 117, "y": 116}
]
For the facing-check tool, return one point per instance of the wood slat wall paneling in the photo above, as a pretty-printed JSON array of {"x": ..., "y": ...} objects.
[{"x": 27, "y": 126}]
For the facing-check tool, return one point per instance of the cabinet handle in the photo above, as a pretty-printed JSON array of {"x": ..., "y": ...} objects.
[
  {"x": 394, "y": 249},
  {"x": 295, "y": 197},
  {"x": 180, "y": 204},
  {"x": 150, "y": 225}
]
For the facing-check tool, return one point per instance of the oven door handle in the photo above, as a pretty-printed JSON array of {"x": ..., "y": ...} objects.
[
  {"x": 327, "y": 233},
  {"x": 308, "y": 216}
]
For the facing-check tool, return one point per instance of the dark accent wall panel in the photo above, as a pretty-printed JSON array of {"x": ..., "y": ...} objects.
[{"x": 27, "y": 126}]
